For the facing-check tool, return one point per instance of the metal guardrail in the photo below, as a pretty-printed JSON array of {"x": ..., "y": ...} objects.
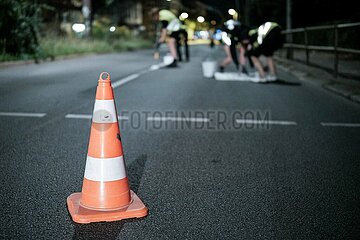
[{"x": 335, "y": 49}]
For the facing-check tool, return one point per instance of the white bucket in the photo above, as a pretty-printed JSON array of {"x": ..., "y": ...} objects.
[
  {"x": 209, "y": 68},
  {"x": 168, "y": 59}
]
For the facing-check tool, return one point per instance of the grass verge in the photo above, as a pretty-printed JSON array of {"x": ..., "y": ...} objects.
[{"x": 53, "y": 47}]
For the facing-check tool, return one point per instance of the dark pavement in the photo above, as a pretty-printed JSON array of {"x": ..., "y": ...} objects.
[
  {"x": 296, "y": 177},
  {"x": 320, "y": 71}
]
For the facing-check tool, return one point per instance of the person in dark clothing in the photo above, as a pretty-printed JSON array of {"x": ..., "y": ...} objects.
[
  {"x": 230, "y": 38},
  {"x": 263, "y": 41},
  {"x": 182, "y": 40}
]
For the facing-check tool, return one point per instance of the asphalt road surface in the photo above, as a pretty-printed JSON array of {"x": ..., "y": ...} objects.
[{"x": 210, "y": 159}]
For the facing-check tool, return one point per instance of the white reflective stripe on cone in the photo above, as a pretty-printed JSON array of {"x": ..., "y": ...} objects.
[
  {"x": 105, "y": 169},
  {"x": 104, "y": 112}
]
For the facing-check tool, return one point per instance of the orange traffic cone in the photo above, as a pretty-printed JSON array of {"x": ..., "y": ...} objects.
[{"x": 105, "y": 195}]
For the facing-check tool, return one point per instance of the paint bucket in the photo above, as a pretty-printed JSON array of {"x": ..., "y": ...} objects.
[{"x": 209, "y": 68}]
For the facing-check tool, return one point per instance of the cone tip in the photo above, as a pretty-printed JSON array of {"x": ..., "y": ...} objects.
[{"x": 104, "y": 76}]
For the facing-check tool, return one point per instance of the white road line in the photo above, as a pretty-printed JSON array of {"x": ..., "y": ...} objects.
[
  {"x": 22, "y": 114},
  {"x": 79, "y": 116},
  {"x": 332, "y": 124},
  {"x": 89, "y": 116},
  {"x": 125, "y": 80},
  {"x": 136, "y": 75},
  {"x": 175, "y": 119},
  {"x": 156, "y": 66},
  {"x": 272, "y": 122}
]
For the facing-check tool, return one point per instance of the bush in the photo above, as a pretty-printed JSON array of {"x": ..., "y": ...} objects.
[
  {"x": 100, "y": 30},
  {"x": 54, "y": 46},
  {"x": 19, "y": 21}
]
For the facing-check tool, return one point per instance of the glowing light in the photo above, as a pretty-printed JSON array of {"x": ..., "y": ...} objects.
[
  {"x": 200, "y": 19},
  {"x": 78, "y": 27},
  {"x": 112, "y": 29},
  {"x": 232, "y": 12},
  {"x": 204, "y": 34},
  {"x": 184, "y": 15}
]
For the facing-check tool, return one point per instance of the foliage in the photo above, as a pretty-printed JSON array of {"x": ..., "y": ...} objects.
[
  {"x": 19, "y": 22},
  {"x": 101, "y": 30},
  {"x": 55, "y": 46}
]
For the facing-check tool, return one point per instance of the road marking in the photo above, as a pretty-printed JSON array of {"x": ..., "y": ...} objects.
[
  {"x": 22, "y": 114},
  {"x": 125, "y": 80},
  {"x": 89, "y": 116},
  {"x": 332, "y": 124},
  {"x": 136, "y": 75},
  {"x": 179, "y": 119},
  {"x": 79, "y": 116},
  {"x": 156, "y": 66},
  {"x": 272, "y": 122}
]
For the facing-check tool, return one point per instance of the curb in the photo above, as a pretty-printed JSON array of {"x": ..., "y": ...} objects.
[
  {"x": 347, "y": 88},
  {"x": 342, "y": 90},
  {"x": 27, "y": 62},
  {"x": 355, "y": 97}
]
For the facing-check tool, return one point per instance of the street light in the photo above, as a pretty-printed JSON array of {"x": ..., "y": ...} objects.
[
  {"x": 78, "y": 27},
  {"x": 232, "y": 11},
  {"x": 200, "y": 19},
  {"x": 184, "y": 16}
]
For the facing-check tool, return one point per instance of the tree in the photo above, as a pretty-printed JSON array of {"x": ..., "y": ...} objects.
[{"x": 19, "y": 22}]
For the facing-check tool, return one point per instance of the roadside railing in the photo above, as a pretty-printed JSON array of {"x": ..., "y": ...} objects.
[{"x": 307, "y": 39}]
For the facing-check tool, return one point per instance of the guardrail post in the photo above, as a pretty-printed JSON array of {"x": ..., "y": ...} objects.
[
  {"x": 289, "y": 50},
  {"x": 306, "y": 45},
  {"x": 336, "y": 53}
]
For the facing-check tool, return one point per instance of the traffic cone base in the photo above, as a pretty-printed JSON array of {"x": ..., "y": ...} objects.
[{"x": 82, "y": 214}]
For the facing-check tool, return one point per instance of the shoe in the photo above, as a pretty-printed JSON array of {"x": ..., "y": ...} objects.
[
  {"x": 257, "y": 79},
  {"x": 221, "y": 69},
  {"x": 173, "y": 64},
  {"x": 254, "y": 74},
  {"x": 244, "y": 70},
  {"x": 271, "y": 78}
]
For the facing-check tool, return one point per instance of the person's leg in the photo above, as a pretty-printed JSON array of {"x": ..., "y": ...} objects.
[
  {"x": 187, "y": 55},
  {"x": 227, "y": 60},
  {"x": 242, "y": 60},
  {"x": 271, "y": 65},
  {"x": 172, "y": 47},
  {"x": 242, "y": 56},
  {"x": 258, "y": 66},
  {"x": 233, "y": 53},
  {"x": 178, "y": 50}
]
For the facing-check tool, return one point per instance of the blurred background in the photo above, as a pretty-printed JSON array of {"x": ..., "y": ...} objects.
[{"x": 43, "y": 29}]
